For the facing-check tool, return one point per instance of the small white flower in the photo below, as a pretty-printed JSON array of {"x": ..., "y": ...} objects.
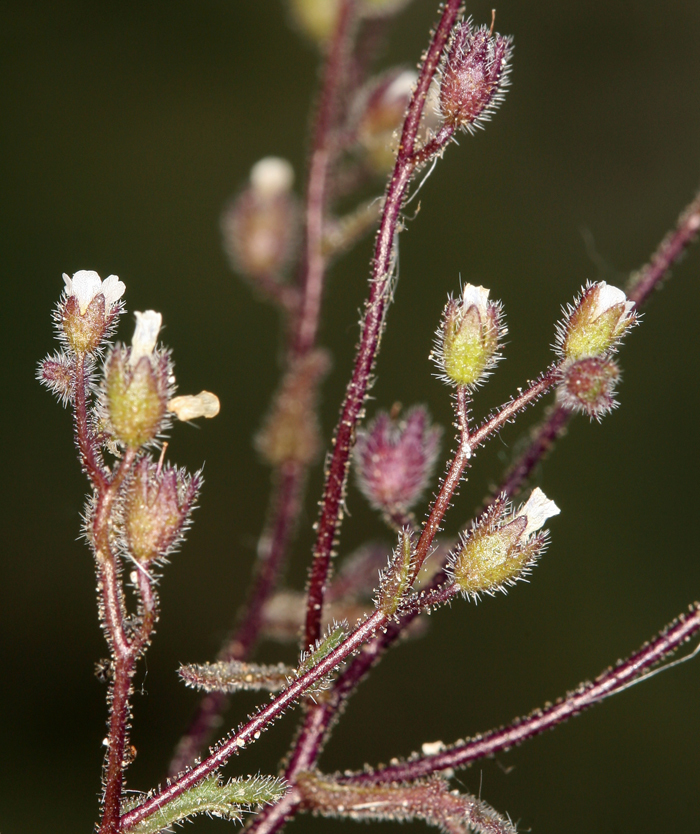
[
  {"x": 271, "y": 176},
  {"x": 475, "y": 297},
  {"x": 608, "y": 296},
  {"x": 204, "y": 404},
  {"x": 145, "y": 336},
  {"x": 537, "y": 509},
  {"x": 86, "y": 284}
]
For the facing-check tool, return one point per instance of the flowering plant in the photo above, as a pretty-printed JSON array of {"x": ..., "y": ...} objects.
[{"x": 123, "y": 400}]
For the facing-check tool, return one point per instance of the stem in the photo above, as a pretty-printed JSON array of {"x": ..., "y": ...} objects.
[
  {"x": 585, "y": 695},
  {"x": 125, "y": 648},
  {"x": 670, "y": 249},
  {"x": 260, "y": 721},
  {"x": 289, "y": 479},
  {"x": 371, "y": 326},
  {"x": 285, "y": 504},
  {"x": 322, "y": 157},
  {"x": 89, "y": 455}
]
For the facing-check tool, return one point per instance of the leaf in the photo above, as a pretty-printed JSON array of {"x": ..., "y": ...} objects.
[
  {"x": 211, "y": 797},
  {"x": 235, "y": 676}
]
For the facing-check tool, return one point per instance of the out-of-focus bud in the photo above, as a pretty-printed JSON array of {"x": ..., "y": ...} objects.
[
  {"x": 87, "y": 313},
  {"x": 315, "y": 18},
  {"x": 588, "y": 385},
  {"x": 260, "y": 225},
  {"x": 395, "y": 459},
  {"x": 290, "y": 432},
  {"x": 595, "y": 323},
  {"x": 138, "y": 385},
  {"x": 156, "y": 510},
  {"x": 467, "y": 341},
  {"x": 474, "y": 76},
  {"x": 379, "y": 110},
  {"x": 56, "y": 373},
  {"x": 501, "y": 546},
  {"x": 396, "y": 579},
  {"x": 204, "y": 404}
]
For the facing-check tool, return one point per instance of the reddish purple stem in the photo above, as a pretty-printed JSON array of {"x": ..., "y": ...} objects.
[
  {"x": 586, "y": 695},
  {"x": 371, "y": 328}
]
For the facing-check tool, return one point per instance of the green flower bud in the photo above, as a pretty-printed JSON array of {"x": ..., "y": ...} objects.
[
  {"x": 595, "y": 323},
  {"x": 468, "y": 338},
  {"x": 137, "y": 386},
  {"x": 501, "y": 546}
]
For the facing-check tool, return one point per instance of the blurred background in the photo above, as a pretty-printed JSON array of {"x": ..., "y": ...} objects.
[{"x": 126, "y": 128}]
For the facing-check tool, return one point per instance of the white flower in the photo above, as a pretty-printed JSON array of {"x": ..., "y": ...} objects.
[
  {"x": 475, "y": 297},
  {"x": 204, "y": 404},
  {"x": 537, "y": 509},
  {"x": 271, "y": 176},
  {"x": 145, "y": 336},
  {"x": 607, "y": 296},
  {"x": 86, "y": 284}
]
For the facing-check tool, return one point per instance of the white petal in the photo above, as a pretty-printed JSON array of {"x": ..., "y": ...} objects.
[
  {"x": 271, "y": 176},
  {"x": 86, "y": 284},
  {"x": 606, "y": 297},
  {"x": 475, "y": 297},
  {"x": 112, "y": 290},
  {"x": 143, "y": 343},
  {"x": 538, "y": 508},
  {"x": 402, "y": 86},
  {"x": 204, "y": 404}
]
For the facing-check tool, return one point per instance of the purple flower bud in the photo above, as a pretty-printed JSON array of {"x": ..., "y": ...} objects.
[
  {"x": 394, "y": 460},
  {"x": 260, "y": 225},
  {"x": 588, "y": 385},
  {"x": 474, "y": 76},
  {"x": 156, "y": 509},
  {"x": 56, "y": 373}
]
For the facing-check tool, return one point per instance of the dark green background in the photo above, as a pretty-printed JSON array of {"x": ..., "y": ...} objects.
[{"x": 126, "y": 127}]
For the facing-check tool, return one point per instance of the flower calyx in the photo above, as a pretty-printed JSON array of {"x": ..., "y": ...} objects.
[{"x": 502, "y": 546}]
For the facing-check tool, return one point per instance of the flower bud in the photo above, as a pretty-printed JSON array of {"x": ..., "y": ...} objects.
[
  {"x": 474, "y": 76},
  {"x": 595, "y": 323},
  {"x": 394, "y": 459},
  {"x": 260, "y": 225},
  {"x": 315, "y": 18},
  {"x": 87, "y": 313},
  {"x": 588, "y": 385},
  {"x": 379, "y": 110},
  {"x": 468, "y": 338},
  {"x": 56, "y": 373},
  {"x": 501, "y": 546},
  {"x": 138, "y": 385},
  {"x": 156, "y": 510},
  {"x": 290, "y": 432}
]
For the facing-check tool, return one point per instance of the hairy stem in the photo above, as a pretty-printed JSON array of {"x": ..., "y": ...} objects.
[
  {"x": 371, "y": 327},
  {"x": 285, "y": 504},
  {"x": 585, "y": 695},
  {"x": 89, "y": 454}
]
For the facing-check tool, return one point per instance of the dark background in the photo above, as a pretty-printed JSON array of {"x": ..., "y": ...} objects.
[{"x": 126, "y": 127}]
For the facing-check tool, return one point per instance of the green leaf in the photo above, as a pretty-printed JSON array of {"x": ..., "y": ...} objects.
[{"x": 211, "y": 797}]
